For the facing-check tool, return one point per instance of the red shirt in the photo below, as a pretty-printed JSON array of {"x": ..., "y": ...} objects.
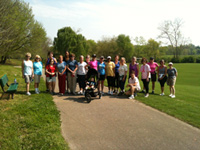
[{"x": 51, "y": 69}]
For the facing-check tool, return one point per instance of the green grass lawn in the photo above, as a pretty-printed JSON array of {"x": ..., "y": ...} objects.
[
  {"x": 186, "y": 105},
  {"x": 29, "y": 122}
]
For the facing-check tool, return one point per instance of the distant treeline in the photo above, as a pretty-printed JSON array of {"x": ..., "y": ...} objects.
[{"x": 72, "y": 41}]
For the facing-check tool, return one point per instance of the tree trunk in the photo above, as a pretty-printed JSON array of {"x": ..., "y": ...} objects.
[{"x": 3, "y": 59}]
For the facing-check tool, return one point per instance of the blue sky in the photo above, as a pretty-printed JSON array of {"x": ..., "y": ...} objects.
[{"x": 108, "y": 18}]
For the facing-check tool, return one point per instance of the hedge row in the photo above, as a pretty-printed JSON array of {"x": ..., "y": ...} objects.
[{"x": 186, "y": 59}]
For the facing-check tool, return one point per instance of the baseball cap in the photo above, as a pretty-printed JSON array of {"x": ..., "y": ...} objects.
[
  {"x": 109, "y": 57},
  {"x": 170, "y": 63}
]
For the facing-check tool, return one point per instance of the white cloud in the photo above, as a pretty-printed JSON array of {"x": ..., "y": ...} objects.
[{"x": 113, "y": 17}]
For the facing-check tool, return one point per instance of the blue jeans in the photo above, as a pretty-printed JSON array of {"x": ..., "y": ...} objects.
[{"x": 121, "y": 82}]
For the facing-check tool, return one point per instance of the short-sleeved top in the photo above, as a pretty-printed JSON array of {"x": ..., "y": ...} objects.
[
  {"x": 117, "y": 67},
  {"x": 172, "y": 73},
  {"x": 153, "y": 67},
  {"x": 101, "y": 68},
  {"x": 110, "y": 69},
  {"x": 51, "y": 69},
  {"x": 134, "y": 80},
  {"x": 28, "y": 65},
  {"x": 61, "y": 67},
  {"x": 93, "y": 64},
  {"x": 133, "y": 68},
  {"x": 144, "y": 70},
  {"x": 81, "y": 68},
  {"x": 122, "y": 69},
  {"x": 37, "y": 66},
  {"x": 72, "y": 64}
]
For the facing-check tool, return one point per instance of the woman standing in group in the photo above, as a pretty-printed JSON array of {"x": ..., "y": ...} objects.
[
  {"x": 66, "y": 60},
  {"x": 93, "y": 64},
  {"x": 37, "y": 66},
  {"x": 72, "y": 67},
  {"x": 81, "y": 73},
  {"x": 162, "y": 75},
  {"x": 122, "y": 74},
  {"x": 51, "y": 76},
  {"x": 110, "y": 74},
  {"x": 116, "y": 74},
  {"x": 50, "y": 56},
  {"x": 27, "y": 71},
  {"x": 172, "y": 75},
  {"x": 87, "y": 59},
  {"x": 153, "y": 66},
  {"x": 102, "y": 72},
  {"x": 134, "y": 67},
  {"x": 61, "y": 68},
  {"x": 145, "y": 75}
]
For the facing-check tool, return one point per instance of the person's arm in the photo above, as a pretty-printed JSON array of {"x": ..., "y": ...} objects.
[
  {"x": 55, "y": 60},
  {"x": 137, "y": 71},
  {"x": 176, "y": 73},
  {"x": 148, "y": 72},
  {"x": 22, "y": 69},
  {"x": 125, "y": 74},
  {"x": 48, "y": 71},
  {"x": 32, "y": 71},
  {"x": 158, "y": 73},
  {"x": 64, "y": 70},
  {"x": 114, "y": 69}
]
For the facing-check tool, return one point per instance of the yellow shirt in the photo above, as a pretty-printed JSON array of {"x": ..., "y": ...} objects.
[{"x": 110, "y": 69}]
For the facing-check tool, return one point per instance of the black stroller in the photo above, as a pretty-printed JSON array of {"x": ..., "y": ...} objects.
[{"x": 92, "y": 79}]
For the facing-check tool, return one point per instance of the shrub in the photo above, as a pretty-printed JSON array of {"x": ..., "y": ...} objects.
[
  {"x": 198, "y": 60},
  {"x": 175, "y": 60},
  {"x": 189, "y": 59}
]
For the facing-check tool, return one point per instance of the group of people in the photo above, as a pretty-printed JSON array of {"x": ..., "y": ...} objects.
[{"x": 71, "y": 71}]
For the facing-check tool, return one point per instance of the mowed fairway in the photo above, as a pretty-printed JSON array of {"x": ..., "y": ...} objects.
[{"x": 186, "y": 105}]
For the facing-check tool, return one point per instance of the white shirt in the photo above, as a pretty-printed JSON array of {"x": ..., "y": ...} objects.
[
  {"x": 144, "y": 70},
  {"x": 122, "y": 69},
  {"x": 28, "y": 65},
  {"x": 81, "y": 68},
  {"x": 135, "y": 80}
]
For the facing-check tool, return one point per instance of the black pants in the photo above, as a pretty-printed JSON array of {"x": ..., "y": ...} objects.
[
  {"x": 121, "y": 82},
  {"x": 162, "y": 82},
  {"x": 146, "y": 85},
  {"x": 116, "y": 80},
  {"x": 110, "y": 81},
  {"x": 81, "y": 81}
]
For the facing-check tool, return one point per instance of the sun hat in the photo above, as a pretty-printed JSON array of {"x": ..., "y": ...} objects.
[
  {"x": 170, "y": 63},
  {"x": 109, "y": 57},
  {"x": 101, "y": 57}
]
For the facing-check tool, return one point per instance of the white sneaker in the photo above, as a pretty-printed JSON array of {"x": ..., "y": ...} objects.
[
  {"x": 162, "y": 94},
  {"x": 170, "y": 95},
  {"x": 147, "y": 95},
  {"x": 131, "y": 97},
  {"x": 109, "y": 92},
  {"x": 36, "y": 92},
  {"x": 80, "y": 92},
  {"x": 28, "y": 93},
  {"x": 173, "y": 96}
]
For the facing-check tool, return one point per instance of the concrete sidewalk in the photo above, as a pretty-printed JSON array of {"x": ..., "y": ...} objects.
[{"x": 114, "y": 123}]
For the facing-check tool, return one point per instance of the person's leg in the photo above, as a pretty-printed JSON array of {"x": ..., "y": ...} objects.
[
  {"x": 50, "y": 86},
  {"x": 59, "y": 82},
  {"x": 102, "y": 85},
  {"x": 53, "y": 86},
  {"x": 69, "y": 81},
  {"x": 173, "y": 90},
  {"x": 144, "y": 82},
  {"x": 153, "y": 85},
  {"x": 63, "y": 84},
  {"x": 108, "y": 81},
  {"x": 27, "y": 87},
  {"x": 112, "y": 83},
  {"x": 74, "y": 84},
  {"x": 147, "y": 87},
  {"x": 117, "y": 77},
  {"x": 123, "y": 84},
  {"x": 99, "y": 82}
]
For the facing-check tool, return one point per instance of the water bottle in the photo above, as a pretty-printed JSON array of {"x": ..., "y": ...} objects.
[{"x": 15, "y": 81}]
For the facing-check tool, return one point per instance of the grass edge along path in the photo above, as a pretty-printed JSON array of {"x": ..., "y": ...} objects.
[{"x": 29, "y": 122}]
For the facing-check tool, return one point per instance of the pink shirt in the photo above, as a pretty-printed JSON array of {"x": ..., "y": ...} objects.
[
  {"x": 153, "y": 67},
  {"x": 93, "y": 64},
  {"x": 144, "y": 70}
]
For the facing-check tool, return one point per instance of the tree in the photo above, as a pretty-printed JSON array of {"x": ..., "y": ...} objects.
[
  {"x": 19, "y": 31},
  {"x": 139, "y": 46},
  {"x": 92, "y": 47},
  {"x": 68, "y": 39},
  {"x": 171, "y": 30},
  {"x": 125, "y": 47},
  {"x": 152, "y": 48}
]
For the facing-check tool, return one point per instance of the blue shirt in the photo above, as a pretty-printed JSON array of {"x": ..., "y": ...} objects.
[
  {"x": 117, "y": 67},
  {"x": 61, "y": 67},
  {"x": 37, "y": 66},
  {"x": 72, "y": 64},
  {"x": 101, "y": 68}
]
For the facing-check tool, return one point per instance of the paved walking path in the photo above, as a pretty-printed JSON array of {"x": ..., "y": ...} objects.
[{"x": 114, "y": 123}]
